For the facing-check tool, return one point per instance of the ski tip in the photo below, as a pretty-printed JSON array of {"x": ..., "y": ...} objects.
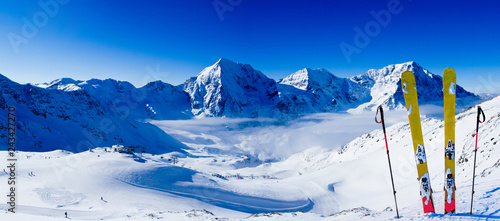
[
  {"x": 407, "y": 81},
  {"x": 449, "y": 74},
  {"x": 406, "y": 74},
  {"x": 449, "y": 69}
]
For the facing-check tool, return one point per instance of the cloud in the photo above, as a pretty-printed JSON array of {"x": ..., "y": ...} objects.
[{"x": 268, "y": 139}]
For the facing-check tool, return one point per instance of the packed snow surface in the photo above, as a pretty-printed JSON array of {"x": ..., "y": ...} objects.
[{"x": 223, "y": 176}]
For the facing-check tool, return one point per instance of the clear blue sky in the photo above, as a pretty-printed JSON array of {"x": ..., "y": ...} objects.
[{"x": 174, "y": 40}]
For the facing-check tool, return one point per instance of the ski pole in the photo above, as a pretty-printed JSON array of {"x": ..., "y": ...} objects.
[
  {"x": 479, "y": 113},
  {"x": 381, "y": 110}
]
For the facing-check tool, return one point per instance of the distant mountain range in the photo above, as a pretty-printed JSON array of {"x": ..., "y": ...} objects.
[
  {"x": 74, "y": 115},
  {"x": 237, "y": 90}
]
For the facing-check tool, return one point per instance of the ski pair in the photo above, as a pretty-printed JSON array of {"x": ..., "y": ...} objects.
[{"x": 409, "y": 88}]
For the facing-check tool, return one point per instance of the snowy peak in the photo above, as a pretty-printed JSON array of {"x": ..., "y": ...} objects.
[
  {"x": 158, "y": 85},
  {"x": 229, "y": 72},
  {"x": 318, "y": 90},
  {"x": 226, "y": 62},
  {"x": 231, "y": 89},
  {"x": 69, "y": 84},
  {"x": 308, "y": 78},
  {"x": 63, "y": 84},
  {"x": 393, "y": 71},
  {"x": 223, "y": 65},
  {"x": 108, "y": 85},
  {"x": 385, "y": 87},
  {"x": 62, "y": 81}
]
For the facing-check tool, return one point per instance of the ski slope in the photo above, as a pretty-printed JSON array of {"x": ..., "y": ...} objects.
[{"x": 239, "y": 169}]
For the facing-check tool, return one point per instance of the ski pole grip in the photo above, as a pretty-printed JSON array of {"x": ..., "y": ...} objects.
[
  {"x": 479, "y": 113},
  {"x": 379, "y": 109}
]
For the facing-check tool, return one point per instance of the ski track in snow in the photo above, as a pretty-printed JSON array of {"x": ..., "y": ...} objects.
[{"x": 236, "y": 202}]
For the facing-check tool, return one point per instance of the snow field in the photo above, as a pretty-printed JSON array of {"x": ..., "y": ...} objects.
[{"x": 327, "y": 182}]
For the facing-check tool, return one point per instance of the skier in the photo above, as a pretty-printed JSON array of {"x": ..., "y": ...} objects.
[
  {"x": 66, "y": 214},
  {"x": 102, "y": 199}
]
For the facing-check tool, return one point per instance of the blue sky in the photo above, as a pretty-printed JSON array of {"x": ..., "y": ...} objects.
[{"x": 174, "y": 40}]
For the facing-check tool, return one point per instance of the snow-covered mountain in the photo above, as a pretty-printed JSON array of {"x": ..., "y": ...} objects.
[
  {"x": 237, "y": 90},
  {"x": 225, "y": 89},
  {"x": 64, "y": 84},
  {"x": 76, "y": 119},
  {"x": 156, "y": 100},
  {"x": 384, "y": 86},
  {"x": 230, "y": 89},
  {"x": 233, "y": 90},
  {"x": 315, "y": 91}
]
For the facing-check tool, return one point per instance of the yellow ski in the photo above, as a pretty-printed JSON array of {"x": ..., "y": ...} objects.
[
  {"x": 449, "y": 96},
  {"x": 409, "y": 87}
]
